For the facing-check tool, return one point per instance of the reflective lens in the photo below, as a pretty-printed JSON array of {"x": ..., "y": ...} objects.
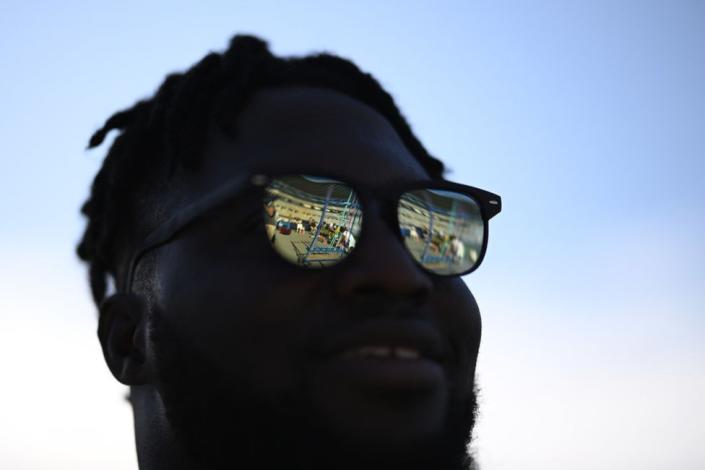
[
  {"x": 443, "y": 230},
  {"x": 311, "y": 221}
]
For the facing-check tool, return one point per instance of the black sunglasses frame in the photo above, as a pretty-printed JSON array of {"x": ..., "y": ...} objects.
[{"x": 490, "y": 205}]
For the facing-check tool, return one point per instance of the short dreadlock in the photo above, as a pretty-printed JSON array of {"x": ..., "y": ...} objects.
[{"x": 167, "y": 132}]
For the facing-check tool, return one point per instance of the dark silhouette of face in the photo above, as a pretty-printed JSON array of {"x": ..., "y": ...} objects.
[{"x": 253, "y": 350}]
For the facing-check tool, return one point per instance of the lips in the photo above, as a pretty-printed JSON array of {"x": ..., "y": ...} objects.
[
  {"x": 386, "y": 356},
  {"x": 387, "y": 339},
  {"x": 391, "y": 352}
]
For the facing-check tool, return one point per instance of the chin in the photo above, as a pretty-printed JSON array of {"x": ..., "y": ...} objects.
[
  {"x": 378, "y": 416},
  {"x": 379, "y": 428}
]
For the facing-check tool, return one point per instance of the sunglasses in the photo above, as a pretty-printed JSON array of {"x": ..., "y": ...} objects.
[{"x": 316, "y": 222}]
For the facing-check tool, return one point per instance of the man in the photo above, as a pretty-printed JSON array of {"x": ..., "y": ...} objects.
[{"x": 241, "y": 352}]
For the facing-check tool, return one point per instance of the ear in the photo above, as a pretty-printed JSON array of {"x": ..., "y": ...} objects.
[{"x": 123, "y": 335}]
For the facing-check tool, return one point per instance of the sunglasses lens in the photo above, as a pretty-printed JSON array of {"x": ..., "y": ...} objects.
[
  {"x": 311, "y": 221},
  {"x": 443, "y": 230}
]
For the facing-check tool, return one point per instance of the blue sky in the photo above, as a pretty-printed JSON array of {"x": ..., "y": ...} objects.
[{"x": 587, "y": 117}]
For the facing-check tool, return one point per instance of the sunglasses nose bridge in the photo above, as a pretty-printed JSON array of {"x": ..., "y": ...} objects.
[
  {"x": 384, "y": 210},
  {"x": 383, "y": 232},
  {"x": 382, "y": 264}
]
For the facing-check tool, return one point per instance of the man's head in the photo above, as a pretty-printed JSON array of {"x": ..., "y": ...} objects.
[{"x": 235, "y": 356}]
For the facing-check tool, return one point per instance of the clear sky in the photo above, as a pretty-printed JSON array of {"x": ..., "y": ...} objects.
[{"x": 588, "y": 117}]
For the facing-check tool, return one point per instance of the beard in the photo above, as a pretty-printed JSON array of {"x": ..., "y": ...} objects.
[{"x": 225, "y": 425}]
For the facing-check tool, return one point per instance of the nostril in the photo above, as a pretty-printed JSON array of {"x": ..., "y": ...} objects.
[
  {"x": 417, "y": 293},
  {"x": 409, "y": 285},
  {"x": 420, "y": 295}
]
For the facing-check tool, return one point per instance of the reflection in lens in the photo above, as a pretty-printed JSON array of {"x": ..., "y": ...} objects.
[
  {"x": 443, "y": 230},
  {"x": 311, "y": 221}
]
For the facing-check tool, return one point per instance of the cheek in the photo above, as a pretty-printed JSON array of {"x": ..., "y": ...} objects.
[
  {"x": 245, "y": 316},
  {"x": 462, "y": 323}
]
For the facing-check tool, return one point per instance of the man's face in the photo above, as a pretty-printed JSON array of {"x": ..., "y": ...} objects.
[{"x": 279, "y": 337}]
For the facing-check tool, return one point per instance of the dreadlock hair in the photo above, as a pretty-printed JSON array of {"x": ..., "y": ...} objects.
[{"x": 166, "y": 133}]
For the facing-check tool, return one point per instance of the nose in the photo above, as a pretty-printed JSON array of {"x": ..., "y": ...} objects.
[{"x": 381, "y": 267}]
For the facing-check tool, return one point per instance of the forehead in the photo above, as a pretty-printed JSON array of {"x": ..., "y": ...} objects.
[{"x": 310, "y": 130}]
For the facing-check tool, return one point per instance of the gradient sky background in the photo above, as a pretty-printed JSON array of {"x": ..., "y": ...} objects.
[{"x": 587, "y": 117}]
